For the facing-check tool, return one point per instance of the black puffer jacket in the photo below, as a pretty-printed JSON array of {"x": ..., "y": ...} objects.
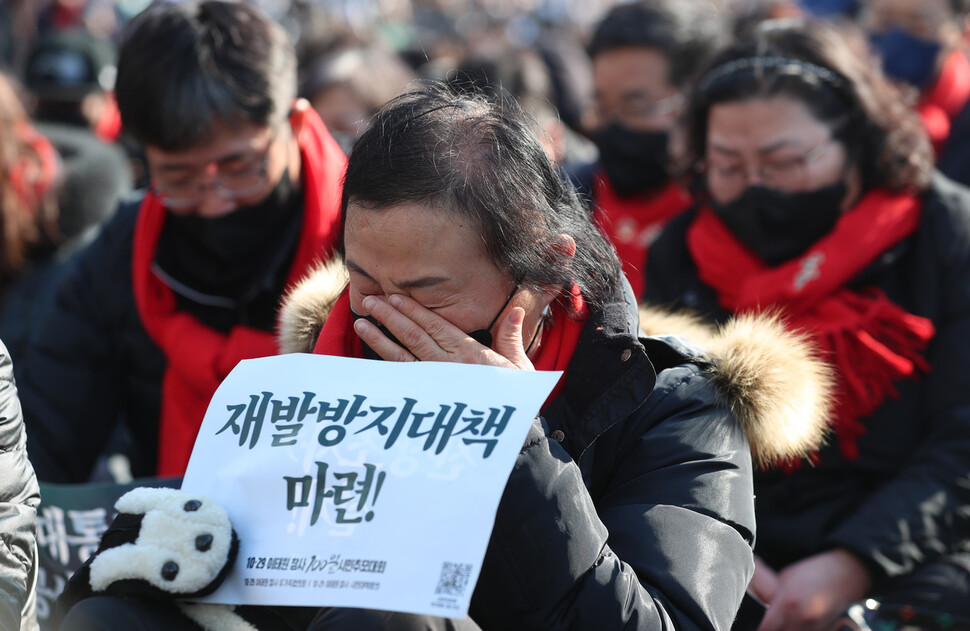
[
  {"x": 19, "y": 497},
  {"x": 906, "y": 500},
  {"x": 630, "y": 505}
]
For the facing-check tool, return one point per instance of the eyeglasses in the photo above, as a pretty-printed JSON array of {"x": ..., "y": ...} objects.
[
  {"x": 233, "y": 181},
  {"x": 785, "y": 173}
]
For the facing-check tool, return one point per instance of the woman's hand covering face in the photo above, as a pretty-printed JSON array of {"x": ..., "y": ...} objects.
[{"x": 427, "y": 336}]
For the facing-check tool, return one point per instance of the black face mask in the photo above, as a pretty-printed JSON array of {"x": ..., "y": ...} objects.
[
  {"x": 223, "y": 255},
  {"x": 236, "y": 236},
  {"x": 779, "y": 225},
  {"x": 634, "y": 161},
  {"x": 482, "y": 336}
]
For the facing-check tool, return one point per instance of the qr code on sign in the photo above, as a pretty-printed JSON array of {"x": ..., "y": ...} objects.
[{"x": 453, "y": 579}]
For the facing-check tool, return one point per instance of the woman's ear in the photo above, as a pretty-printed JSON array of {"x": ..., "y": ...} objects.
[{"x": 564, "y": 245}]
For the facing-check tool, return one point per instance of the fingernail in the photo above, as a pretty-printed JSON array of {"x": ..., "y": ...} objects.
[
  {"x": 368, "y": 302},
  {"x": 396, "y": 300},
  {"x": 361, "y": 325},
  {"x": 517, "y": 316}
]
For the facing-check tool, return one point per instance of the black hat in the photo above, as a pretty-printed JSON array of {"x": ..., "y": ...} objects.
[{"x": 68, "y": 65}]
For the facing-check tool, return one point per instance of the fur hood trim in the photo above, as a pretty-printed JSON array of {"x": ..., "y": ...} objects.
[
  {"x": 309, "y": 303},
  {"x": 771, "y": 378}
]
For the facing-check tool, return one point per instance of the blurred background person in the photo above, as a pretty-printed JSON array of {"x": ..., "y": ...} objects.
[
  {"x": 643, "y": 55},
  {"x": 68, "y": 80},
  {"x": 40, "y": 221},
  {"x": 820, "y": 202},
  {"x": 922, "y": 45},
  {"x": 70, "y": 75},
  {"x": 347, "y": 86}
]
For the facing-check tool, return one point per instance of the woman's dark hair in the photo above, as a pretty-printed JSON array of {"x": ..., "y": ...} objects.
[
  {"x": 829, "y": 69},
  {"x": 184, "y": 65},
  {"x": 687, "y": 32},
  {"x": 479, "y": 157}
]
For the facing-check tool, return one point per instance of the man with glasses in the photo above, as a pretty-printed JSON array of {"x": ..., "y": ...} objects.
[
  {"x": 643, "y": 55},
  {"x": 185, "y": 282}
]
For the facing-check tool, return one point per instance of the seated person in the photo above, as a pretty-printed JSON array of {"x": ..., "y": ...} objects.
[
  {"x": 643, "y": 55},
  {"x": 185, "y": 281},
  {"x": 41, "y": 214},
  {"x": 629, "y": 506},
  {"x": 821, "y": 205}
]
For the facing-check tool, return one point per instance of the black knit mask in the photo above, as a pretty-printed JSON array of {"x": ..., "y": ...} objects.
[{"x": 779, "y": 225}]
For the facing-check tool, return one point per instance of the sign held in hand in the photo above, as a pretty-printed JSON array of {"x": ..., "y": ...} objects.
[{"x": 361, "y": 483}]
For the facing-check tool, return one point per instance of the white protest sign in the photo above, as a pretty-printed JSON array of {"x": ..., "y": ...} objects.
[{"x": 361, "y": 483}]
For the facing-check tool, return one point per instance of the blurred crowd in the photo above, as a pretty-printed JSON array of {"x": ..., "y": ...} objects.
[{"x": 59, "y": 57}]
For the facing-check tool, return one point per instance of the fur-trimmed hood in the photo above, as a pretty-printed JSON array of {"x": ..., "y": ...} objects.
[
  {"x": 307, "y": 306},
  {"x": 771, "y": 379}
]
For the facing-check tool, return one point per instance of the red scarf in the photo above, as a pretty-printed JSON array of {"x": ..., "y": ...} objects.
[
  {"x": 339, "y": 339},
  {"x": 197, "y": 357},
  {"x": 870, "y": 340},
  {"x": 945, "y": 99},
  {"x": 632, "y": 223}
]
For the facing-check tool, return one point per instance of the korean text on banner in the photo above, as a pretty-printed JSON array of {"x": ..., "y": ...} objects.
[{"x": 362, "y": 483}]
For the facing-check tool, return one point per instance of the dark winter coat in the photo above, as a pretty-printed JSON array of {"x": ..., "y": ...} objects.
[
  {"x": 906, "y": 500},
  {"x": 91, "y": 364},
  {"x": 630, "y": 504}
]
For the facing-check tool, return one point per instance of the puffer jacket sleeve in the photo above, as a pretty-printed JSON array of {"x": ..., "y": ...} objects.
[
  {"x": 666, "y": 543},
  {"x": 923, "y": 511},
  {"x": 19, "y": 497},
  {"x": 72, "y": 376}
]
